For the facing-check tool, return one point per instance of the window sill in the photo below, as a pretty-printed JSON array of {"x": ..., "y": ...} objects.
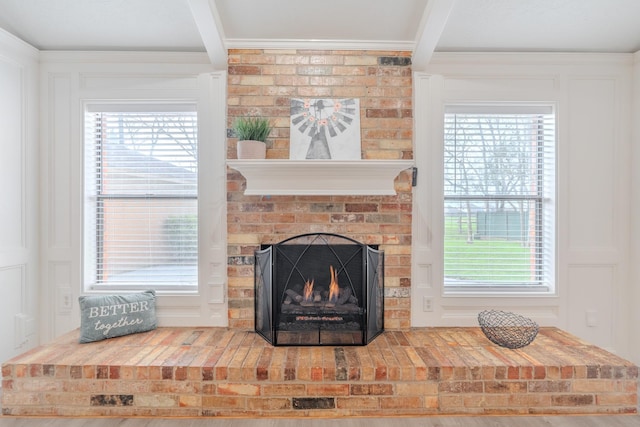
[{"x": 496, "y": 290}]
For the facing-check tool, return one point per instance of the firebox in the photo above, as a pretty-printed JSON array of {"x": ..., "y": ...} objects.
[{"x": 319, "y": 289}]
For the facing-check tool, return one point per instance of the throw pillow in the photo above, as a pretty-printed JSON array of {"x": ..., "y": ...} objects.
[{"x": 108, "y": 316}]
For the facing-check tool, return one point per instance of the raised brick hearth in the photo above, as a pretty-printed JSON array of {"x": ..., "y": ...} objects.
[{"x": 221, "y": 372}]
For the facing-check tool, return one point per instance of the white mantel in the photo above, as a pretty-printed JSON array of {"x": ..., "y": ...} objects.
[{"x": 320, "y": 177}]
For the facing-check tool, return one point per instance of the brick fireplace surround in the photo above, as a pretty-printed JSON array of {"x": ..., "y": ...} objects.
[
  {"x": 263, "y": 83},
  {"x": 232, "y": 371}
]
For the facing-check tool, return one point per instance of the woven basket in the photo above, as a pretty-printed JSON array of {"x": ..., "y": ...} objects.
[{"x": 508, "y": 330}]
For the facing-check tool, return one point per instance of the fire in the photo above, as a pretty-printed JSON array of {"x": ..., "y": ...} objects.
[
  {"x": 333, "y": 286},
  {"x": 308, "y": 290}
]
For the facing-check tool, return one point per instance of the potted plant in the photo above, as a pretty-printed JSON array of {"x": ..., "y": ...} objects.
[{"x": 252, "y": 133}]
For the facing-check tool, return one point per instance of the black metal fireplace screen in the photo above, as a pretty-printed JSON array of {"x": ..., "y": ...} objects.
[{"x": 319, "y": 289}]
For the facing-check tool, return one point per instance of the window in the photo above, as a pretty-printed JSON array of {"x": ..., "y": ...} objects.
[
  {"x": 499, "y": 173},
  {"x": 141, "y": 197}
]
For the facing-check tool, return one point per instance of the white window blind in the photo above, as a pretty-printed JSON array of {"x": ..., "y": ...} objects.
[
  {"x": 499, "y": 174},
  {"x": 141, "y": 197}
]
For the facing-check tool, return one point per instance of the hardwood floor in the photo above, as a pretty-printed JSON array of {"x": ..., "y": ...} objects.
[{"x": 521, "y": 421}]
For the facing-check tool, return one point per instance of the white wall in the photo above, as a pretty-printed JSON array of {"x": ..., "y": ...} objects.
[
  {"x": 19, "y": 196},
  {"x": 70, "y": 79},
  {"x": 634, "y": 281},
  {"x": 592, "y": 96}
]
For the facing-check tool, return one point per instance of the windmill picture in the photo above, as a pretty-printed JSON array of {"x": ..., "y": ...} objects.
[{"x": 325, "y": 129}]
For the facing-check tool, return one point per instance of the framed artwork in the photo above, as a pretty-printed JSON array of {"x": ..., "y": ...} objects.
[{"x": 325, "y": 129}]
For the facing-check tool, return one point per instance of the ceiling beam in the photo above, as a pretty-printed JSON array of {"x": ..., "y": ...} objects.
[
  {"x": 434, "y": 18},
  {"x": 209, "y": 25}
]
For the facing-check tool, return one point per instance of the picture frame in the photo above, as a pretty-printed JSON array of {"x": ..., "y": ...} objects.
[{"x": 325, "y": 128}]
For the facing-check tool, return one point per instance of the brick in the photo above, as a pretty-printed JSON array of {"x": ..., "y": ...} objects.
[
  {"x": 401, "y": 402},
  {"x": 370, "y": 402},
  {"x": 371, "y": 389},
  {"x": 289, "y": 390},
  {"x": 313, "y": 403},
  {"x": 416, "y": 389},
  {"x": 572, "y": 400},
  {"x": 35, "y": 370},
  {"x": 167, "y": 387},
  {"x": 489, "y": 401},
  {"x": 7, "y": 370},
  {"x": 531, "y": 400},
  {"x": 360, "y": 60},
  {"x": 167, "y": 372},
  {"x": 268, "y": 404},
  {"x": 238, "y": 389},
  {"x": 244, "y": 70},
  {"x": 567, "y": 372},
  {"x": 112, "y": 400},
  {"x": 394, "y": 61},
  {"x": 539, "y": 372},
  {"x": 327, "y": 390},
  {"x": 553, "y": 373},
  {"x": 21, "y": 398},
  {"x": 156, "y": 401},
  {"x": 361, "y": 207},
  {"x": 460, "y": 387},
  {"x": 226, "y": 402},
  {"x": 75, "y": 372},
  {"x": 451, "y": 401},
  {"x": 248, "y": 80},
  {"x": 593, "y": 386},
  {"x": 505, "y": 387},
  {"x": 617, "y": 399},
  {"x": 128, "y": 373},
  {"x": 190, "y": 400},
  {"x": 550, "y": 386},
  {"x": 102, "y": 372}
]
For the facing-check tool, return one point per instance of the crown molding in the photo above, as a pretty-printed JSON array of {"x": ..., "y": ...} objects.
[
  {"x": 529, "y": 58},
  {"x": 387, "y": 45},
  {"x": 17, "y": 46},
  {"x": 124, "y": 57}
]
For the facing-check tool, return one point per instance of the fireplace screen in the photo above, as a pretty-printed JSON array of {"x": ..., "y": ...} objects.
[{"x": 319, "y": 289}]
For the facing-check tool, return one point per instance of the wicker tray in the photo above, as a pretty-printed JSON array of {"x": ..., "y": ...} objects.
[{"x": 506, "y": 329}]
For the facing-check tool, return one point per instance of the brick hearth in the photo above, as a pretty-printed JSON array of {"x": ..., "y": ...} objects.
[{"x": 221, "y": 372}]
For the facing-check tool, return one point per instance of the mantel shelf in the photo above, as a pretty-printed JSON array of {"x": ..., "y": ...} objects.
[{"x": 320, "y": 177}]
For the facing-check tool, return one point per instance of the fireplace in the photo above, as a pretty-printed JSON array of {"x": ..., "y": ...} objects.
[{"x": 319, "y": 289}]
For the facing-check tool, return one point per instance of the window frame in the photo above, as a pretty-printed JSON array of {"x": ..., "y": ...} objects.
[
  {"x": 545, "y": 205},
  {"x": 90, "y": 263}
]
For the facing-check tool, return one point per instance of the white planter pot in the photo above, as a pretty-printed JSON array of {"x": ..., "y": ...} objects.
[{"x": 249, "y": 149}]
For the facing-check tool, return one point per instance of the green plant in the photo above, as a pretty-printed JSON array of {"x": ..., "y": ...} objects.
[{"x": 252, "y": 128}]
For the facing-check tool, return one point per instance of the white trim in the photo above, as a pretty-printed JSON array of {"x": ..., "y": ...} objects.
[
  {"x": 213, "y": 200},
  {"x": 132, "y": 57},
  {"x": 11, "y": 45},
  {"x": 320, "y": 44},
  {"x": 435, "y": 17},
  {"x": 514, "y": 59},
  {"x": 211, "y": 29}
]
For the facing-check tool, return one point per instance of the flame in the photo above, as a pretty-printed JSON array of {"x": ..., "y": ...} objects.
[
  {"x": 333, "y": 286},
  {"x": 308, "y": 290}
]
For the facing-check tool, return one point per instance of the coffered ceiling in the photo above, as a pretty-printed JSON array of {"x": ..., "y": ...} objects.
[{"x": 422, "y": 26}]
